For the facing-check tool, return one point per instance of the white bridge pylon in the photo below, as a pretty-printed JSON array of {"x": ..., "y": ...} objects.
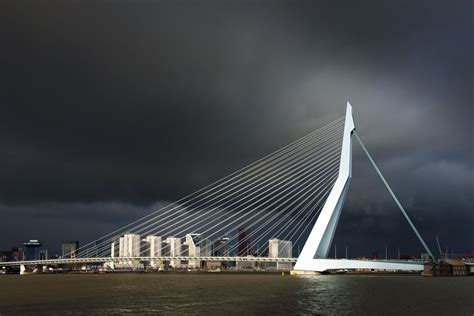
[{"x": 313, "y": 257}]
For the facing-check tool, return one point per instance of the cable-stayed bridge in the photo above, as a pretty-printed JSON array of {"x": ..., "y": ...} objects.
[{"x": 260, "y": 213}]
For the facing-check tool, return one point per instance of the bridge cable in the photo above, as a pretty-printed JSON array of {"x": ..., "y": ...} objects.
[
  {"x": 234, "y": 175},
  {"x": 132, "y": 228},
  {"x": 394, "y": 197}
]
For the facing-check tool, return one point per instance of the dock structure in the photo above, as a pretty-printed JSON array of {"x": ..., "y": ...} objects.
[{"x": 449, "y": 267}]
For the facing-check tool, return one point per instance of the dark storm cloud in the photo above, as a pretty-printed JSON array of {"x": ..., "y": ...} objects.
[{"x": 134, "y": 102}]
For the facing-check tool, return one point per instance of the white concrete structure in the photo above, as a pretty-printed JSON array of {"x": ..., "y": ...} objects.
[
  {"x": 121, "y": 247},
  {"x": 129, "y": 245},
  {"x": 153, "y": 249},
  {"x": 206, "y": 247},
  {"x": 315, "y": 251},
  {"x": 174, "y": 250},
  {"x": 193, "y": 241},
  {"x": 112, "y": 250},
  {"x": 278, "y": 248},
  {"x": 111, "y": 264}
]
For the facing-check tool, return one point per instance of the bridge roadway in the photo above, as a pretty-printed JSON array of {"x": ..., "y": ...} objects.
[
  {"x": 326, "y": 264},
  {"x": 141, "y": 259}
]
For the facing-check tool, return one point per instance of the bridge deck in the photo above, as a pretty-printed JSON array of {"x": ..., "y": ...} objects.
[
  {"x": 142, "y": 259},
  {"x": 328, "y": 263},
  {"x": 321, "y": 265}
]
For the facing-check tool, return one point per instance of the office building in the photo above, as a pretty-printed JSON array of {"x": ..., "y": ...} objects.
[
  {"x": 69, "y": 249},
  {"x": 206, "y": 248},
  {"x": 112, "y": 250},
  {"x": 153, "y": 248},
  {"x": 15, "y": 254},
  {"x": 244, "y": 242},
  {"x": 278, "y": 248},
  {"x": 184, "y": 250},
  {"x": 173, "y": 245},
  {"x": 193, "y": 243},
  {"x": 129, "y": 245},
  {"x": 221, "y": 247},
  {"x": 43, "y": 254},
  {"x": 121, "y": 247},
  {"x": 32, "y": 249}
]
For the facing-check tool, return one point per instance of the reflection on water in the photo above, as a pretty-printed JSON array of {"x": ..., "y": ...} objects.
[{"x": 215, "y": 293}]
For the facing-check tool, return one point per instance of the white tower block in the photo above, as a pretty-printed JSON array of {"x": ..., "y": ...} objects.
[{"x": 320, "y": 238}]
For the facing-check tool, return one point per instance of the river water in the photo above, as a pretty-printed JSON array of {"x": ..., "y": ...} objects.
[{"x": 235, "y": 294}]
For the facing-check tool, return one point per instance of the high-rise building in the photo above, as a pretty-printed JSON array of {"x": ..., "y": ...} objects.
[
  {"x": 193, "y": 242},
  {"x": 153, "y": 248},
  {"x": 69, "y": 249},
  {"x": 244, "y": 242},
  {"x": 129, "y": 245},
  {"x": 16, "y": 254},
  {"x": 184, "y": 250},
  {"x": 174, "y": 250},
  {"x": 173, "y": 245},
  {"x": 165, "y": 248},
  {"x": 278, "y": 248},
  {"x": 3, "y": 256},
  {"x": 206, "y": 248},
  {"x": 112, "y": 250},
  {"x": 121, "y": 247},
  {"x": 221, "y": 247},
  {"x": 43, "y": 254},
  {"x": 32, "y": 249}
]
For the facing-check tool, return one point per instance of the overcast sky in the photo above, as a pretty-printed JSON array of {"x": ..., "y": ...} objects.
[{"x": 110, "y": 107}]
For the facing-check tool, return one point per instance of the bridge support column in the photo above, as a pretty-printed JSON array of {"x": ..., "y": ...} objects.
[{"x": 320, "y": 238}]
